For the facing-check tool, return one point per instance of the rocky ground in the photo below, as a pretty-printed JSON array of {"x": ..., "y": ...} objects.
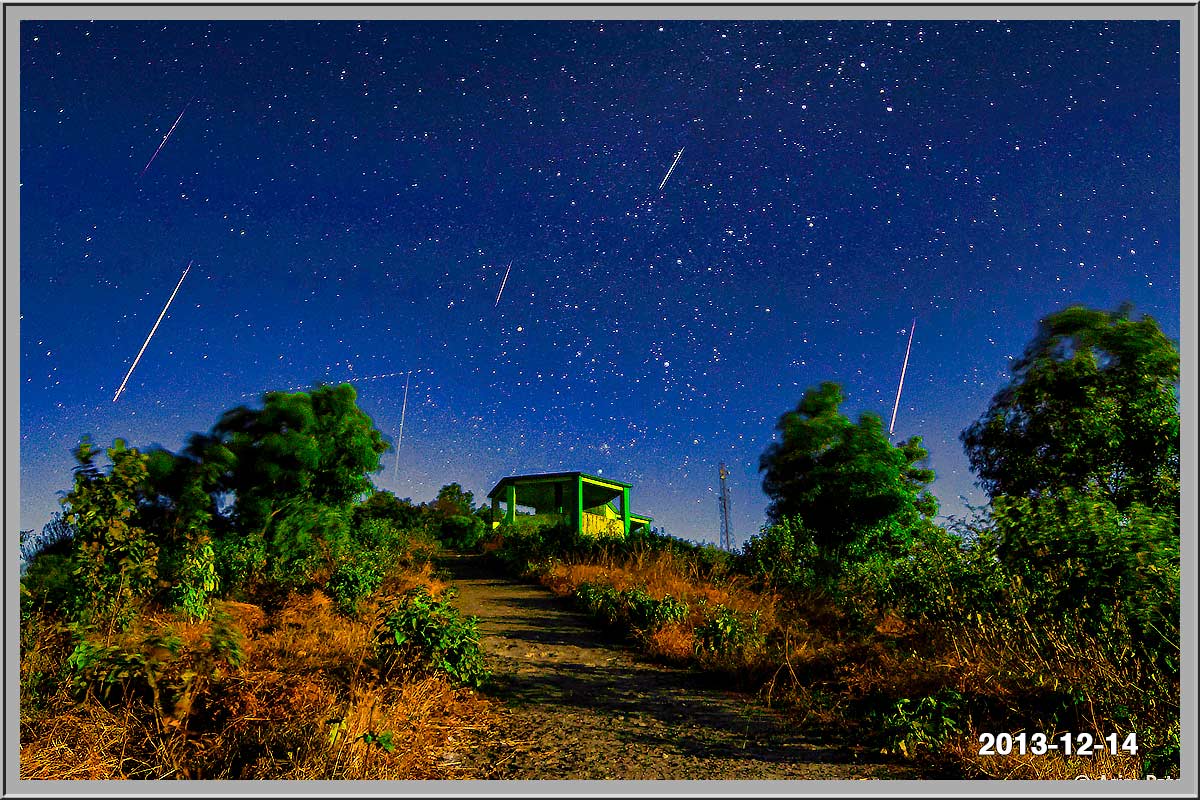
[{"x": 582, "y": 706}]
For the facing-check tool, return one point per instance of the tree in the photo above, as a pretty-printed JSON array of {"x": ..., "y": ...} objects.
[
  {"x": 403, "y": 513},
  {"x": 55, "y": 538},
  {"x": 115, "y": 560},
  {"x": 1092, "y": 406},
  {"x": 316, "y": 446},
  {"x": 453, "y": 501},
  {"x": 845, "y": 482},
  {"x": 295, "y": 467}
]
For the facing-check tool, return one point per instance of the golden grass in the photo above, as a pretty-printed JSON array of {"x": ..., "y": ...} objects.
[
  {"x": 672, "y": 642},
  {"x": 83, "y": 744},
  {"x": 1048, "y": 767},
  {"x": 297, "y": 708}
]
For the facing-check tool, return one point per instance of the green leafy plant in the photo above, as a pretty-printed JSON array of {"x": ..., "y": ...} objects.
[
  {"x": 197, "y": 580},
  {"x": 115, "y": 560},
  {"x": 1161, "y": 753},
  {"x": 726, "y": 633},
  {"x": 417, "y": 633},
  {"x": 461, "y": 531},
  {"x": 101, "y": 670},
  {"x": 382, "y": 740},
  {"x": 911, "y": 726},
  {"x": 353, "y": 580}
]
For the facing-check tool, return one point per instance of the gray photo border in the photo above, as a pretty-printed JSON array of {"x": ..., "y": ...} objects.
[{"x": 1184, "y": 13}]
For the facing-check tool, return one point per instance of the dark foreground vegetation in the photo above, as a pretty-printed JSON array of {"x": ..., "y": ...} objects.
[{"x": 252, "y": 607}]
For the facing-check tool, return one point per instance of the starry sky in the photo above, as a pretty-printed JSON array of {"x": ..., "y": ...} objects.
[{"x": 351, "y": 196}]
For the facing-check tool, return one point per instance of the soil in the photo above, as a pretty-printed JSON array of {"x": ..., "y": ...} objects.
[{"x": 581, "y": 705}]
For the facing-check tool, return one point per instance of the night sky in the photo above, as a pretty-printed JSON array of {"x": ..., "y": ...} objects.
[{"x": 351, "y": 196}]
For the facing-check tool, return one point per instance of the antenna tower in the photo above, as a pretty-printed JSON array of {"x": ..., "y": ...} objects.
[{"x": 723, "y": 501}]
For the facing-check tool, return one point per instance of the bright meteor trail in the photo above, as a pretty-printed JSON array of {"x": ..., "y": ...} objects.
[
  {"x": 903, "y": 369},
  {"x": 121, "y": 388},
  {"x": 400, "y": 438},
  {"x": 502, "y": 284},
  {"x": 164, "y": 140},
  {"x": 672, "y": 169}
]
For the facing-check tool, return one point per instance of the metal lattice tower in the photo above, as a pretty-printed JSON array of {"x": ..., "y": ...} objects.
[{"x": 723, "y": 501}]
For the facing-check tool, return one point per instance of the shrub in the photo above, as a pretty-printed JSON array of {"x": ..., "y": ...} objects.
[
  {"x": 783, "y": 555},
  {"x": 98, "y": 670},
  {"x": 946, "y": 580},
  {"x": 48, "y": 584},
  {"x": 629, "y": 610},
  {"x": 727, "y": 634},
  {"x": 196, "y": 580},
  {"x": 602, "y": 601},
  {"x": 416, "y": 633},
  {"x": 526, "y": 545},
  {"x": 1079, "y": 554},
  {"x": 461, "y": 532},
  {"x": 353, "y": 580},
  {"x": 241, "y": 563},
  {"x": 910, "y": 726},
  {"x": 115, "y": 560}
]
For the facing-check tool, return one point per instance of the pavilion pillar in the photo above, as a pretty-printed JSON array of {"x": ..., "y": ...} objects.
[
  {"x": 511, "y": 496},
  {"x": 625, "y": 510},
  {"x": 579, "y": 503}
]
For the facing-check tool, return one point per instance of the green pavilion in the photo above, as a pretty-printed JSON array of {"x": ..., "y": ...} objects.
[{"x": 594, "y": 506}]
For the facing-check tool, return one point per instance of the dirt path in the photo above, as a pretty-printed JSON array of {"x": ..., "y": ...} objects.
[{"x": 582, "y": 706}]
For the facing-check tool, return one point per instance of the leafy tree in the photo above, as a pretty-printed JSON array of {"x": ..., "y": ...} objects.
[
  {"x": 382, "y": 505},
  {"x": 1092, "y": 407},
  {"x": 783, "y": 553},
  {"x": 453, "y": 501},
  {"x": 845, "y": 483},
  {"x": 295, "y": 468},
  {"x": 316, "y": 446},
  {"x": 115, "y": 559}
]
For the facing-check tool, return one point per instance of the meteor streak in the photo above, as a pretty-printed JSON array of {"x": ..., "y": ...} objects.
[
  {"x": 903, "y": 369},
  {"x": 502, "y": 284},
  {"x": 672, "y": 169},
  {"x": 400, "y": 438},
  {"x": 121, "y": 388},
  {"x": 164, "y": 140}
]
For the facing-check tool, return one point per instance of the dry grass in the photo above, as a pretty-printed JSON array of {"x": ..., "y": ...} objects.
[
  {"x": 1046, "y": 767},
  {"x": 298, "y": 707},
  {"x": 672, "y": 642},
  {"x": 82, "y": 744}
]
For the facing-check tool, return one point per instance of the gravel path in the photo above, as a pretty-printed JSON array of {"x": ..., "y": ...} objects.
[{"x": 582, "y": 706}]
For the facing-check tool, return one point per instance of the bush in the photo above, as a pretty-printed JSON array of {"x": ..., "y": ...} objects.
[
  {"x": 416, "y": 633},
  {"x": 946, "y": 580},
  {"x": 1081, "y": 555},
  {"x": 353, "y": 580},
  {"x": 727, "y": 634},
  {"x": 115, "y": 559},
  {"x": 528, "y": 545},
  {"x": 48, "y": 584},
  {"x": 912, "y": 725},
  {"x": 241, "y": 563},
  {"x": 628, "y": 610},
  {"x": 783, "y": 555},
  {"x": 461, "y": 532}
]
